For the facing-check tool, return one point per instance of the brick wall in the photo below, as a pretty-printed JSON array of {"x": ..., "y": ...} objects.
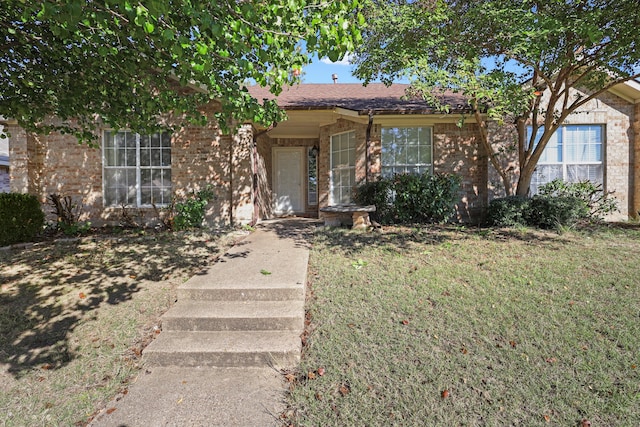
[
  {"x": 324, "y": 158},
  {"x": 635, "y": 206},
  {"x": 617, "y": 116},
  {"x": 201, "y": 156},
  {"x": 621, "y": 121},
  {"x": 454, "y": 151}
]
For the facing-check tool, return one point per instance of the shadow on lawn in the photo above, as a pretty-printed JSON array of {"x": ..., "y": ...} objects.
[
  {"x": 47, "y": 291},
  {"x": 401, "y": 238}
]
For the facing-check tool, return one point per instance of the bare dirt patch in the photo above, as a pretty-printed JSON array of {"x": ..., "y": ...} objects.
[{"x": 75, "y": 315}]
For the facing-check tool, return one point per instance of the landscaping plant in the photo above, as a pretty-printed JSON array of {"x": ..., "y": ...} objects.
[
  {"x": 411, "y": 198},
  {"x": 21, "y": 218}
]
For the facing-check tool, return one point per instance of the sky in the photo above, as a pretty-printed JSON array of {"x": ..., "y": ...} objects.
[{"x": 320, "y": 71}]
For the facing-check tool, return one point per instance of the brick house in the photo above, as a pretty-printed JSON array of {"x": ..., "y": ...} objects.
[{"x": 336, "y": 135}]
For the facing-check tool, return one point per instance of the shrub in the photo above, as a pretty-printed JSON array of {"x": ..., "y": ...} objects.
[
  {"x": 380, "y": 194},
  {"x": 508, "y": 211},
  {"x": 411, "y": 198},
  {"x": 554, "y": 211},
  {"x": 21, "y": 218},
  {"x": 68, "y": 214},
  {"x": 599, "y": 202},
  {"x": 190, "y": 212}
]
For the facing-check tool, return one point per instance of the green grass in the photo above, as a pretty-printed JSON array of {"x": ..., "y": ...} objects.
[{"x": 519, "y": 327}]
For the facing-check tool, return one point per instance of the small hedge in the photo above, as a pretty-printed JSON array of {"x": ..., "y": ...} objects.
[
  {"x": 538, "y": 211},
  {"x": 508, "y": 211},
  {"x": 558, "y": 203},
  {"x": 21, "y": 218},
  {"x": 411, "y": 198},
  {"x": 551, "y": 212}
]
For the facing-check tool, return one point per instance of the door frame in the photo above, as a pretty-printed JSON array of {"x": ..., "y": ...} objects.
[{"x": 303, "y": 201}]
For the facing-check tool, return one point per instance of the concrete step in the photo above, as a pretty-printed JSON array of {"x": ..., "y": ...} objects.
[
  {"x": 188, "y": 315},
  {"x": 280, "y": 349},
  {"x": 200, "y": 290}
]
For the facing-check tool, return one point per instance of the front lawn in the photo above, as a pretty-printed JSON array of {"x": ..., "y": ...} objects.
[
  {"x": 451, "y": 326},
  {"x": 75, "y": 315}
]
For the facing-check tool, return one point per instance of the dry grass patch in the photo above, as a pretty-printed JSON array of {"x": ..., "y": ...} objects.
[{"x": 75, "y": 315}]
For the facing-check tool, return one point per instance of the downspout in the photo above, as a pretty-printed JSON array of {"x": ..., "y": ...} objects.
[
  {"x": 368, "y": 147},
  {"x": 231, "y": 180}
]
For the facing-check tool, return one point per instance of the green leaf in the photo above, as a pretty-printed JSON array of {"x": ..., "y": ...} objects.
[
  {"x": 265, "y": 272},
  {"x": 167, "y": 34},
  {"x": 148, "y": 27}
]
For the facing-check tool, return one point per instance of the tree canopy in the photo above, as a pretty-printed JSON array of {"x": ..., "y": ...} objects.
[
  {"x": 126, "y": 62},
  {"x": 502, "y": 55}
]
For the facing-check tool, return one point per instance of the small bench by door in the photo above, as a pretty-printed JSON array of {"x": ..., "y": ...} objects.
[{"x": 357, "y": 216}]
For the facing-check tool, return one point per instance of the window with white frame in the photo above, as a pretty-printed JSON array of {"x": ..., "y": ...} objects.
[
  {"x": 406, "y": 150},
  {"x": 312, "y": 176},
  {"x": 136, "y": 169},
  {"x": 343, "y": 168},
  {"x": 573, "y": 154}
]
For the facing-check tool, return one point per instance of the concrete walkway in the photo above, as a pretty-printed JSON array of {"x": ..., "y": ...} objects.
[{"x": 217, "y": 360}]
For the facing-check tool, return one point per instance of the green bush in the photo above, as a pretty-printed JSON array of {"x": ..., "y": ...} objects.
[
  {"x": 380, "y": 194},
  {"x": 411, "y": 198},
  {"x": 554, "y": 211},
  {"x": 508, "y": 211},
  {"x": 599, "y": 202},
  {"x": 21, "y": 218},
  {"x": 190, "y": 212},
  {"x": 539, "y": 211}
]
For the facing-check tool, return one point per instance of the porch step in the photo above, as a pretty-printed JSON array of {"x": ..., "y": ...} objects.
[
  {"x": 246, "y": 310},
  {"x": 189, "y": 315},
  {"x": 199, "y": 290},
  {"x": 225, "y": 349}
]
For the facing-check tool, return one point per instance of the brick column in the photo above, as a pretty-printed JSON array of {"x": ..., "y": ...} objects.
[
  {"x": 635, "y": 192},
  {"x": 18, "y": 159},
  {"x": 242, "y": 181}
]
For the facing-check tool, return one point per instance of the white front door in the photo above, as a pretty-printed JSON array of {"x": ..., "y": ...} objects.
[{"x": 288, "y": 179}]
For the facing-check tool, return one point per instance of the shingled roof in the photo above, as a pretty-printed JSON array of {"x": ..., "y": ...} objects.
[{"x": 375, "y": 97}]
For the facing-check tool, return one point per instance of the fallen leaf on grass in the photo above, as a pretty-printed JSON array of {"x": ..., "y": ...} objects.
[
  {"x": 321, "y": 371},
  {"x": 344, "y": 389},
  {"x": 444, "y": 394},
  {"x": 311, "y": 376},
  {"x": 405, "y": 322},
  {"x": 48, "y": 405},
  {"x": 551, "y": 360},
  {"x": 290, "y": 378},
  {"x": 513, "y": 344},
  {"x": 463, "y": 350},
  {"x": 111, "y": 410},
  {"x": 585, "y": 423},
  {"x": 547, "y": 418}
]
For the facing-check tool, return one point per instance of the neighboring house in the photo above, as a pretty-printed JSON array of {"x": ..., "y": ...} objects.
[
  {"x": 4, "y": 162},
  {"x": 336, "y": 136}
]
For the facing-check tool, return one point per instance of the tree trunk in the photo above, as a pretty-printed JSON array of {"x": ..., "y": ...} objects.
[
  {"x": 489, "y": 151},
  {"x": 524, "y": 181}
]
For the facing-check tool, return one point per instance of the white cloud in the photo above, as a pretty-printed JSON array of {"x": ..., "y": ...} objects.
[{"x": 344, "y": 61}]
